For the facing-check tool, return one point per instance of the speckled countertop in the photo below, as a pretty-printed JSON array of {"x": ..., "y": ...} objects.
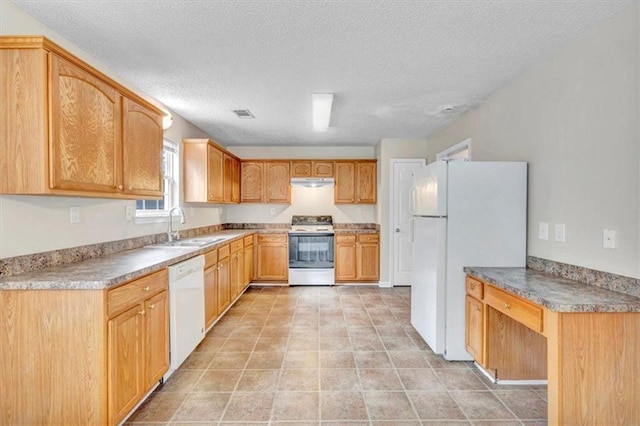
[
  {"x": 556, "y": 293},
  {"x": 108, "y": 271}
]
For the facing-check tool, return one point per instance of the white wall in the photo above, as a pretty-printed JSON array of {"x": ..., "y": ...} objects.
[
  {"x": 303, "y": 152},
  {"x": 31, "y": 224},
  {"x": 575, "y": 119},
  {"x": 386, "y": 150}
]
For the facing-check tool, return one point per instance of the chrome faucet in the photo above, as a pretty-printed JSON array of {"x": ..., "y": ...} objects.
[{"x": 175, "y": 235}]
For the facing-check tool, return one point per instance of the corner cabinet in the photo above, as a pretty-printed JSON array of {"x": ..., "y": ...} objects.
[
  {"x": 210, "y": 174},
  {"x": 105, "y": 350},
  {"x": 356, "y": 182},
  {"x": 357, "y": 257},
  {"x": 72, "y": 130}
]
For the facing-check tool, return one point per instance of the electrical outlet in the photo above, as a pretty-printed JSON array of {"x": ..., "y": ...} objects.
[
  {"x": 74, "y": 214},
  {"x": 560, "y": 233},
  {"x": 609, "y": 238},
  {"x": 128, "y": 213},
  {"x": 272, "y": 211},
  {"x": 543, "y": 231}
]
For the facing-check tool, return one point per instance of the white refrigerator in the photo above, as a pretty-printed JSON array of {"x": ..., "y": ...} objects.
[{"x": 464, "y": 214}]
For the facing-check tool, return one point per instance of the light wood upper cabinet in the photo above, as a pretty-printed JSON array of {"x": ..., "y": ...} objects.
[
  {"x": 142, "y": 149},
  {"x": 309, "y": 168},
  {"x": 356, "y": 182},
  {"x": 209, "y": 173},
  {"x": 252, "y": 182},
  {"x": 266, "y": 182},
  {"x": 72, "y": 130}
]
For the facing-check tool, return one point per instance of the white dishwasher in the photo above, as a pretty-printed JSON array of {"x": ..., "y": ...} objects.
[{"x": 186, "y": 309}]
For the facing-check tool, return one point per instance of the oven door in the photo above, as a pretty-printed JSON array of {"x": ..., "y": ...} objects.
[{"x": 311, "y": 251}]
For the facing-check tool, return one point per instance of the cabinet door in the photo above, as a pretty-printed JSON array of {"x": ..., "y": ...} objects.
[
  {"x": 85, "y": 131},
  {"x": 235, "y": 181},
  {"x": 228, "y": 179},
  {"x": 345, "y": 260},
  {"x": 301, "y": 169},
  {"x": 156, "y": 338},
  {"x": 223, "y": 285},
  {"x": 278, "y": 182},
  {"x": 210, "y": 295},
  {"x": 345, "y": 189},
  {"x": 215, "y": 175},
  {"x": 368, "y": 261},
  {"x": 251, "y": 188},
  {"x": 366, "y": 178},
  {"x": 141, "y": 150},
  {"x": 234, "y": 275},
  {"x": 125, "y": 363},
  {"x": 272, "y": 262},
  {"x": 248, "y": 265},
  {"x": 474, "y": 328},
  {"x": 323, "y": 168}
]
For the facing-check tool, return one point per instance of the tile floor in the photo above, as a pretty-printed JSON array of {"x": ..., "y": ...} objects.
[{"x": 330, "y": 356}]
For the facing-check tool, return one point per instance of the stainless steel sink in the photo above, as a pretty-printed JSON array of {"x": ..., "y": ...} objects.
[{"x": 190, "y": 242}]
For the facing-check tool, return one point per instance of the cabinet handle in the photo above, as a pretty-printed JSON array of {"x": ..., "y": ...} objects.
[
  {"x": 120, "y": 187},
  {"x": 147, "y": 288},
  {"x": 141, "y": 313},
  {"x": 151, "y": 306},
  {"x": 507, "y": 306},
  {"x": 477, "y": 308}
]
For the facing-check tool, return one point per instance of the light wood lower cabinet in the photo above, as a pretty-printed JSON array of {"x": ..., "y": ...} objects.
[
  {"x": 272, "y": 257},
  {"x": 357, "y": 257},
  {"x": 588, "y": 358},
  {"x": 475, "y": 328},
  {"x": 210, "y": 293},
  {"x": 81, "y": 356},
  {"x": 248, "y": 261},
  {"x": 236, "y": 268},
  {"x": 224, "y": 292}
]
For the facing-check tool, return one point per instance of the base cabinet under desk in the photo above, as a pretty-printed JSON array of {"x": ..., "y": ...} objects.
[{"x": 590, "y": 359}]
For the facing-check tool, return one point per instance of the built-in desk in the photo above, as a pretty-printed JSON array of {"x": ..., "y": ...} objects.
[{"x": 585, "y": 340}]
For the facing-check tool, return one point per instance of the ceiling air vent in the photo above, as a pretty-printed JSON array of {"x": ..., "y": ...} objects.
[{"x": 243, "y": 113}]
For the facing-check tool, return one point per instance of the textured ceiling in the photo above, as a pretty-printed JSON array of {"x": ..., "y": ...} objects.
[{"x": 390, "y": 64}]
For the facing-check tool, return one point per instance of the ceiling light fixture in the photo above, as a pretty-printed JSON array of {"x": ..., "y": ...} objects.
[
  {"x": 321, "y": 111},
  {"x": 167, "y": 120}
]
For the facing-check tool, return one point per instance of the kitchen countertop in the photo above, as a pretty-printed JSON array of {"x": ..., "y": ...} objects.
[
  {"x": 556, "y": 293},
  {"x": 111, "y": 270}
]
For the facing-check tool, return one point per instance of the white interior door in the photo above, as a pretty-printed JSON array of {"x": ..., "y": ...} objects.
[{"x": 401, "y": 183}]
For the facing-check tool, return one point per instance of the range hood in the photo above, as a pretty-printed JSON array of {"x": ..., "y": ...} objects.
[{"x": 312, "y": 182}]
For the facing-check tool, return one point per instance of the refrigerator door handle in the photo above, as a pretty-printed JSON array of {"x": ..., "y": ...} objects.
[{"x": 412, "y": 200}]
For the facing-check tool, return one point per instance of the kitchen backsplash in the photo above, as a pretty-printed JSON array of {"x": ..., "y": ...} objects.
[{"x": 607, "y": 280}]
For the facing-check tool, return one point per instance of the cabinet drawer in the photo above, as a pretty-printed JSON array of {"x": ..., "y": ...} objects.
[
  {"x": 223, "y": 252},
  {"x": 368, "y": 238},
  {"x": 248, "y": 240},
  {"x": 272, "y": 238},
  {"x": 520, "y": 310},
  {"x": 210, "y": 258},
  {"x": 340, "y": 238},
  {"x": 236, "y": 246},
  {"x": 130, "y": 294},
  {"x": 474, "y": 288}
]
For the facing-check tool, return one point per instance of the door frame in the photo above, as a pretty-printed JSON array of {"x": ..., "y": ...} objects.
[
  {"x": 392, "y": 203},
  {"x": 454, "y": 150}
]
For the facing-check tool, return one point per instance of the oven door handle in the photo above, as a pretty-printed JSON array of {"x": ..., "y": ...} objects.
[{"x": 312, "y": 234}]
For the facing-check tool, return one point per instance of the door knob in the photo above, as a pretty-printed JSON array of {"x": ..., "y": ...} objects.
[{"x": 397, "y": 229}]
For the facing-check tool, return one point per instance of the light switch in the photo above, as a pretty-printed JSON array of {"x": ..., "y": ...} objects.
[
  {"x": 128, "y": 213},
  {"x": 560, "y": 234},
  {"x": 543, "y": 231},
  {"x": 272, "y": 211},
  {"x": 609, "y": 238},
  {"x": 74, "y": 214}
]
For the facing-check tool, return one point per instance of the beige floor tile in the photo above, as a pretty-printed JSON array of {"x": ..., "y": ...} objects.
[
  {"x": 218, "y": 381},
  {"x": 210, "y": 344},
  {"x": 303, "y": 343},
  {"x": 249, "y": 406},
  {"x": 342, "y": 406},
  {"x": 460, "y": 379},
  {"x": 159, "y": 407},
  {"x": 366, "y": 343},
  {"x": 335, "y": 343},
  {"x": 337, "y": 359},
  {"x": 379, "y": 379},
  {"x": 301, "y": 359},
  {"x": 275, "y": 331},
  {"x": 269, "y": 343},
  {"x": 299, "y": 380},
  {"x": 526, "y": 404},
  {"x": 339, "y": 379},
  {"x": 378, "y": 359},
  {"x": 389, "y": 406},
  {"x": 180, "y": 381},
  {"x": 408, "y": 359},
  {"x": 198, "y": 360},
  {"x": 229, "y": 360},
  {"x": 401, "y": 343},
  {"x": 246, "y": 331},
  {"x": 481, "y": 405},
  {"x": 258, "y": 380},
  {"x": 420, "y": 379},
  {"x": 296, "y": 406},
  {"x": 390, "y": 330},
  {"x": 434, "y": 405},
  {"x": 265, "y": 360},
  {"x": 202, "y": 406}
]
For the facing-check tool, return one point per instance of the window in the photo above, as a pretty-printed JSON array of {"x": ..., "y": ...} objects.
[{"x": 160, "y": 208}]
